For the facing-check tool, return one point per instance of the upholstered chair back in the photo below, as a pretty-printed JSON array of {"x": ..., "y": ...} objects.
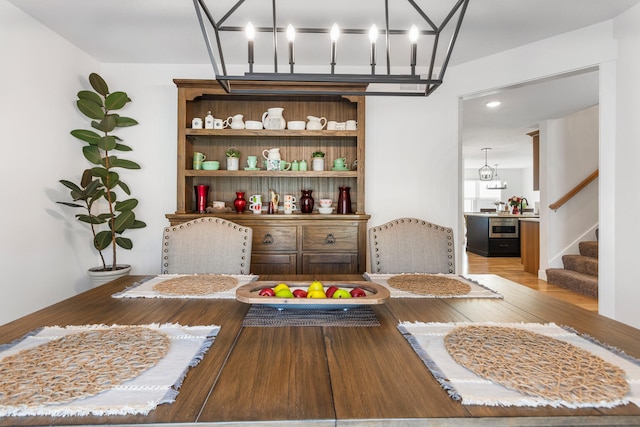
[
  {"x": 207, "y": 245},
  {"x": 410, "y": 245}
]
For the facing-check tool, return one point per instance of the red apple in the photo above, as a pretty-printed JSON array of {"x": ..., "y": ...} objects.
[
  {"x": 299, "y": 293},
  {"x": 330, "y": 291},
  {"x": 358, "y": 293},
  {"x": 267, "y": 292}
]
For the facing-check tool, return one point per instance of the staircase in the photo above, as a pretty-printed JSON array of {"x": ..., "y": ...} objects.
[{"x": 580, "y": 272}]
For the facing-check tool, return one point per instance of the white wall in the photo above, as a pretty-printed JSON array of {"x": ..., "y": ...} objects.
[
  {"x": 570, "y": 147},
  {"x": 620, "y": 278},
  {"x": 426, "y": 183},
  {"x": 44, "y": 253}
]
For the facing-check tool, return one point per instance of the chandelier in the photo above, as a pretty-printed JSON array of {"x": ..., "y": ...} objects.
[
  {"x": 273, "y": 42},
  {"x": 496, "y": 183},
  {"x": 486, "y": 171}
]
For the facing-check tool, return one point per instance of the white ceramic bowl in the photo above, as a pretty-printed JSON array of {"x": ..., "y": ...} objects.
[
  {"x": 253, "y": 124},
  {"x": 296, "y": 125},
  {"x": 325, "y": 210}
]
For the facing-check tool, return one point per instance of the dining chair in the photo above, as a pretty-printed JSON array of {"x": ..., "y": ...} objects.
[
  {"x": 411, "y": 245},
  {"x": 207, "y": 245}
]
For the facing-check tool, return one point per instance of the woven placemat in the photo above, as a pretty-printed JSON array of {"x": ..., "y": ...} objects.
[
  {"x": 535, "y": 364},
  {"x": 79, "y": 365},
  {"x": 429, "y": 284},
  {"x": 265, "y": 316},
  {"x": 201, "y": 284}
]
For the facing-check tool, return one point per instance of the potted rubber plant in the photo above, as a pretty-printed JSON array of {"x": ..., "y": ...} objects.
[
  {"x": 233, "y": 158},
  {"x": 102, "y": 181}
]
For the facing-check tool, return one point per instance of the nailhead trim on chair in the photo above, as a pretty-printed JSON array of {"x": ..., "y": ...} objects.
[
  {"x": 195, "y": 221},
  {"x": 390, "y": 224}
]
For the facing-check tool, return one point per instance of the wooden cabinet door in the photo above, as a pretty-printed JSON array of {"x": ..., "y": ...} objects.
[{"x": 329, "y": 263}]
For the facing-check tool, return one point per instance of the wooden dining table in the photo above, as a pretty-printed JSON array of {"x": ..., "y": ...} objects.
[{"x": 322, "y": 375}]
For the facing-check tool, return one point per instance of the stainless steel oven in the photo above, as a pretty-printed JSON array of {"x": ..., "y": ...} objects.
[{"x": 505, "y": 228}]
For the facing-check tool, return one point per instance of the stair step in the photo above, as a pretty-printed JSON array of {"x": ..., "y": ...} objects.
[
  {"x": 589, "y": 248},
  {"x": 572, "y": 280},
  {"x": 581, "y": 264}
]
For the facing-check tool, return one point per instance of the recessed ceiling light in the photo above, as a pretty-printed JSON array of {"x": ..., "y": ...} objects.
[{"x": 492, "y": 104}]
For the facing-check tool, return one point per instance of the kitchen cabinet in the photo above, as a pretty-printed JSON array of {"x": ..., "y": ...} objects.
[
  {"x": 477, "y": 234},
  {"x": 282, "y": 243},
  {"x": 493, "y": 235},
  {"x": 530, "y": 245}
]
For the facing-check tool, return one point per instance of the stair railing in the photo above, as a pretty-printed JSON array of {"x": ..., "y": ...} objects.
[{"x": 575, "y": 190}]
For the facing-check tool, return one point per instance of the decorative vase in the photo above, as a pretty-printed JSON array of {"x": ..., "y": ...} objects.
[
  {"x": 240, "y": 203},
  {"x": 515, "y": 210},
  {"x": 344, "y": 201},
  {"x": 306, "y": 201},
  {"x": 202, "y": 192},
  {"x": 98, "y": 276}
]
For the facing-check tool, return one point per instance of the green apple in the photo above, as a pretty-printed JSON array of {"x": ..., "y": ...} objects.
[
  {"x": 284, "y": 293},
  {"x": 341, "y": 293}
]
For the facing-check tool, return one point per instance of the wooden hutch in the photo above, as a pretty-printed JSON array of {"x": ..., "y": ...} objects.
[{"x": 282, "y": 243}]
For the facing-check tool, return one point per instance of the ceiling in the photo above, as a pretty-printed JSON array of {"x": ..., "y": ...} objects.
[{"x": 167, "y": 32}]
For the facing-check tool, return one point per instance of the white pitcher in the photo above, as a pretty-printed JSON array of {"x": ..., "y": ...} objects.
[
  {"x": 272, "y": 119},
  {"x": 271, "y": 154},
  {"x": 235, "y": 122},
  {"x": 316, "y": 123}
]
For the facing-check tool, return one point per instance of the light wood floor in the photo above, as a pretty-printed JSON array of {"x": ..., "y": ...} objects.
[{"x": 511, "y": 268}]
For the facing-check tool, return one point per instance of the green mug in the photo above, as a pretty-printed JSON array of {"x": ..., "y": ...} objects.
[{"x": 199, "y": 157}]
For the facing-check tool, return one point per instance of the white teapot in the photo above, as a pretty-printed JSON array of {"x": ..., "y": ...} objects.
[
  {"x": 316, "y": 123},
  {"x": 235, "y": 122},
  {"x": 271, "y": 154},
  {"x": 272, "y": 119}
]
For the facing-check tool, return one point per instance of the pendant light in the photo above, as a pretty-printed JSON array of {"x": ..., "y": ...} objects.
[
  {"x": 496, "y": 183},
  {"x": 485, "y": 172}
]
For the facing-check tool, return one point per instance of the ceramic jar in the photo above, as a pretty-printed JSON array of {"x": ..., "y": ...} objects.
[
  {"x": 240, "y": 203},
  {"x": 306, "y": 201}
]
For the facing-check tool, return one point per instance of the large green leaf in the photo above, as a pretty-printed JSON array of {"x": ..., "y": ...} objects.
[
  {"x": 126, "y": 205},
  {"x": 98, "y": 84},
  {"x": 126, "y": 122},
  {"x": 87, "y": 178},
  {"x": 102, "y": 240},
  {"x": 90, "y": 219},
  {"x": 122, "y": 163},
  {"x": 73, "y": 205},
  {"x": 122, "y": 147},
  {"x": 90, "y": 109},
  {"x": 124, "y": 243},
  {"x": 138, "y": 224},
  {"x": 91, "y": 96},
  {"x": 111, "y": 180},
  {"x": 92, "y": 153},
  {"x": 116, "y": 100},
  {"x": 107, "y": 143},
  {"x": 86, "y": 135},
  {"x": 70, "y": 185},
  {"x": 123, "y": 221},
  {"x": 124, "y": 187},
  {"x": 99, "y": 172},
  {"x": 106, "y": 125}
]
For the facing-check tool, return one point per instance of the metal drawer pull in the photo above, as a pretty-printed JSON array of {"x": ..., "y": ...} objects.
[
  {"x": 330, "y": 239},
  {"x": 267, "y": 239}
]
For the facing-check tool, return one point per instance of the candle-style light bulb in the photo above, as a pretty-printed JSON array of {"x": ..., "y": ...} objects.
[
  {"x": 334, "y": 35},
  {"x": 413, "y": 38},
  {"x": 291, "y": 36},
  {"x": 251, "y": 34},
  {"x": 373, "y": 36}
]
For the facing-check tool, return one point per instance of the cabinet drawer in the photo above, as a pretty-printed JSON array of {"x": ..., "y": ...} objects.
[
  {"x": 274, "y": 239},
  {"x": 273, "y": 263},
  {"x": 327, "y": 263},
  {"x": 504, "y": 247},
  {"x": 337, "y": 238}
]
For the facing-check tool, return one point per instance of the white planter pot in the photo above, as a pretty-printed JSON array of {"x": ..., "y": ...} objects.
[
  {"x": 233, "y": 163},
  {"x": 98, "y": 277},
  {"x": 317, "y": 164}
]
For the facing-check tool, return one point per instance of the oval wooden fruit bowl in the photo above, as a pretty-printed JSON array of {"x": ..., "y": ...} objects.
[{"x": 376, "y": 294}]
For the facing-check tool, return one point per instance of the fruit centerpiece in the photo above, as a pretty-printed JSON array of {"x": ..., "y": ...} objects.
[{"x": 313, "y": 294}]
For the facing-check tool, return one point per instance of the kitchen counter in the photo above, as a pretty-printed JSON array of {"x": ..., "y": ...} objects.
[{"x": 508, "y": 215}]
